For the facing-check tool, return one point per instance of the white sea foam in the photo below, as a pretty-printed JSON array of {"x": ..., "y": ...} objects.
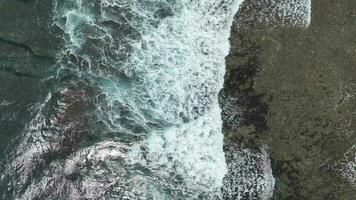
[
  {"x": 348, "y": 169},
  {"x": 160, "y": 66},
  {"x": 281, "y": 13}
]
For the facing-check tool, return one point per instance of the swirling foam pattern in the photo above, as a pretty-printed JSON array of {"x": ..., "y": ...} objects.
[
  {"x": 160, "y": 66},
  {"x": 147, "y": 73},
  {"x": 133, "y": 110}
]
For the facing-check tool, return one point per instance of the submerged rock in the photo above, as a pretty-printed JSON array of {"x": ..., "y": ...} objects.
[{"x": 305, "y": 80}]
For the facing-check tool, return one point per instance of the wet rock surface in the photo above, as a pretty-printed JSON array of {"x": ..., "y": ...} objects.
[
  {"x": 294, "y": 90},
  {"x": 28, "y": 46},
  {"x": 27, "y": 24}
]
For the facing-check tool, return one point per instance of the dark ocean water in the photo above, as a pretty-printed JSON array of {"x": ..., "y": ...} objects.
[{"x": 130, "y": 110}]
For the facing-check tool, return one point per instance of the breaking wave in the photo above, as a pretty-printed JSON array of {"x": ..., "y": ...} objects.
[{"x": 133, "y": 110}]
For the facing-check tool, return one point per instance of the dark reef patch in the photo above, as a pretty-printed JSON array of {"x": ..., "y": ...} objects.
[
  {"x": 250, "y": 111},
  {"x": 305, "y": 81}
]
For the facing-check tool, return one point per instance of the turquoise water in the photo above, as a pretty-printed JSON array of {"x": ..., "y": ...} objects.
[
  {"x": 130, "y": 109},
  {"x": 133, "y": 112}
]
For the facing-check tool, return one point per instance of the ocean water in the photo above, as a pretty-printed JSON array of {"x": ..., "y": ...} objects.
[
  {"x": 133, "y": 109},
  {"x": 133, "y": 113}
]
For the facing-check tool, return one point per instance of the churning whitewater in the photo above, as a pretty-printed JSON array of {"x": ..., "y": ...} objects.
[{"x": 133, "y": 113}]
